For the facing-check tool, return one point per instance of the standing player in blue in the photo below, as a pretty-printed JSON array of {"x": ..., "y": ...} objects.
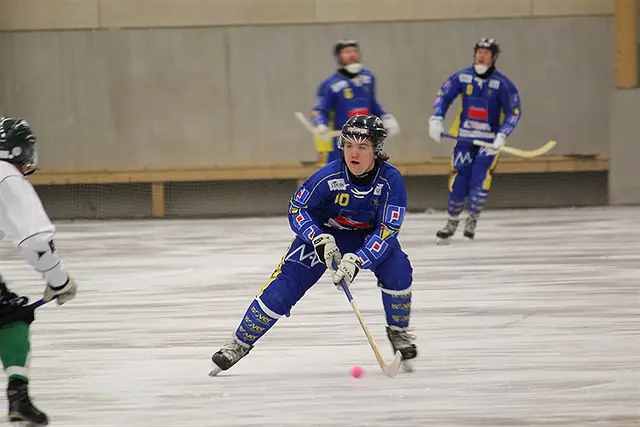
[
  {"x": 490, "y": 112},
  {"x": 349, "y": 214},
  {"x": 349, "y": 91}
]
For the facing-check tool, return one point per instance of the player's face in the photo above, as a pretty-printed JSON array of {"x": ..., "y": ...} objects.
[
  {"x": 349, "y": 55},
  {"x": 484, "y": 57},
  {"x": 359, "y": 156}
]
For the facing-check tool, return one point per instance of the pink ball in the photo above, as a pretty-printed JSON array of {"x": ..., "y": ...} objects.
[{"x": 356, "y": 372}]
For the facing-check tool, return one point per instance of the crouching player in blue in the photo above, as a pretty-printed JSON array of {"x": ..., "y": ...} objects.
[
  {"x": 349, "y": 214},
  {"x": 490, "y": 112}
]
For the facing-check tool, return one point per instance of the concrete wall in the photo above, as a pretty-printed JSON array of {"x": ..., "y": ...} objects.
[
  {"x": 67, "y": 14},
  {"x": 137, "y": 98},
  {"x": 624, "y": 164}
]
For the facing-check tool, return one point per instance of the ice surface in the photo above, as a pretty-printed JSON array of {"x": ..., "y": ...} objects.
[{"x": 536, "y": 323}]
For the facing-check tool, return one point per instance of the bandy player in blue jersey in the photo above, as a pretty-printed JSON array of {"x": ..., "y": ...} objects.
[
  {"x": 349, "y": 214},
  {"x": 490, "y": 112},
  {"x": 349, "y": 91}
]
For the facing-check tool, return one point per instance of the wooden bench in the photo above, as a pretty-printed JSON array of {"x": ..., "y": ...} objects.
[{"x": 157, "y": 177}]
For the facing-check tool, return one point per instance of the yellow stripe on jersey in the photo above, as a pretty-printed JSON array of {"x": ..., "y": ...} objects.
[{"x": 455, "y": 127}]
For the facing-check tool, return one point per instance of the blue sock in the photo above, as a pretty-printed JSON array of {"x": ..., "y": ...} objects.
[
  {"x": 397, "y": 306},
  {"x": 257, "y": 320}
]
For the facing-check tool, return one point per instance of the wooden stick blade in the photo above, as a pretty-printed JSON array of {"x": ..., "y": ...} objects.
[{"x": 392, "y": 369}]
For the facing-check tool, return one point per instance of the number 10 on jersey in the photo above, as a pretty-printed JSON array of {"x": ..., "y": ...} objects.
[{"x": 342, "y": 199}]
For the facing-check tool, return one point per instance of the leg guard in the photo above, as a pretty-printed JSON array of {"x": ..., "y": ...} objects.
[
  {"x": 257, "y": 320},
  {"x": 298, "y": 270},
  {"x": 296, "y": 273},
  {"x": 15, "y": 349},
  {"x": 481, "y": 178},
  {"x": 397, "y": 307},
  {"x": 394, "y": 276}
]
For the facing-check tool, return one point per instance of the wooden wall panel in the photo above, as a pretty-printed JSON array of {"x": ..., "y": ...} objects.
[{"x": 626, "y": 47}]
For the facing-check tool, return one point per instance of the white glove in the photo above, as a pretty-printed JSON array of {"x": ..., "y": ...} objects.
[
  {"x": 327, "y": 250},
  {"x": 436, "y": 128},
  {"x": 347, "y": 270},
  {"x": 322, "y": 131},
  {"x": 64, "y": 293},
  {"x": 390, "y": 124},
  {"x": 499, "y": 142}
]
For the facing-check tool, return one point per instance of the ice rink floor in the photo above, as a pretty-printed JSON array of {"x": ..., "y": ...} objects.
[{"x": 535, "y": 323}]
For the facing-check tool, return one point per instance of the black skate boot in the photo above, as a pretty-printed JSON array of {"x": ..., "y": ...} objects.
[
  {"x": 470, "y": 228},
  {"x": 21, "y": 410},
  {"x": 228, "y": 355},
  {"x": 448, "y": 231},
  {"x": 402, "y": 341}
]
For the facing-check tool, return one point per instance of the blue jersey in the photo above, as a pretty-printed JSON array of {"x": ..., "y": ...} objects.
[
  {"x": 339, "y": 98},
  {"x": 489, "y": 106},
  {"x": 328, "y": 199}
]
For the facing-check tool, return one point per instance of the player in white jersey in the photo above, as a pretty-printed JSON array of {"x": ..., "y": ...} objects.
[{"x": 25, "y": 223}]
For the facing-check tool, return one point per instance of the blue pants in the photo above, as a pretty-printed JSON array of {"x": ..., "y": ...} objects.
[
  {"x": 472, "y": 172},
  {"x": 300, "y": 269}
]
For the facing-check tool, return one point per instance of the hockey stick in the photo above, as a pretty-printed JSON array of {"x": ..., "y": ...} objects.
[
  {"x": 389, "y": 370},
  {"x": 16, "y": 315},
  {"x": 527, "y": 154},
  {"x": 309, "y": 126}
]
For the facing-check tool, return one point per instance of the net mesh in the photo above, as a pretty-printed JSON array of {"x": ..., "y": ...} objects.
[{"x": 203, "y": 199}]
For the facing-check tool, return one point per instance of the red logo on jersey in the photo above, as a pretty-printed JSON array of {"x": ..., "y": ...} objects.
[
  {"x": 348, "y": 222},
  {"x": 356, "y": 111},
  {"x": 477, "y": 113}
]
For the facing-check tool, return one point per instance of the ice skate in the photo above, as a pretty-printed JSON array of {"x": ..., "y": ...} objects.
[
  {"x": 228, "y": 355},
  {"x": 402, "y": 341},
  {"x": 448, "y": 231},
  {"x": 21, "y": 410},
  {"x": 470, "y": 228}
]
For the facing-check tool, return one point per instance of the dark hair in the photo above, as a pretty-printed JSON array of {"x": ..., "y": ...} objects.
[{"x": 382, "y": 157}]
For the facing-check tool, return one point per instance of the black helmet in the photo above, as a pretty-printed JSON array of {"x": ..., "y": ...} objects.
[
  {"x": 341, "y": 44},
  {"x": 365, "y": 128},
  {"x": 18, "y": 144},
  {"x": 488, "y": 43}
]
